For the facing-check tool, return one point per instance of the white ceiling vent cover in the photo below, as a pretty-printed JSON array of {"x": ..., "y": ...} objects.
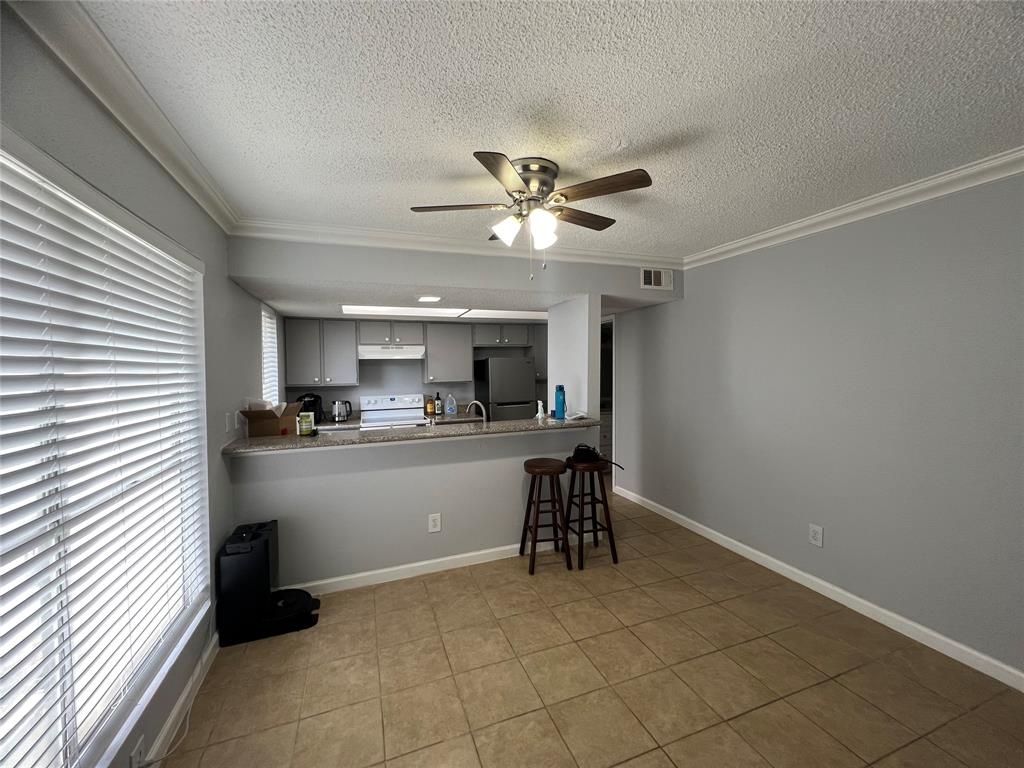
[{"x": 659, "y": 279}]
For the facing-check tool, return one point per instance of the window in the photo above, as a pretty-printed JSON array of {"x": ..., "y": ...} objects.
[
  {"x": 269, "y": 329},
  {"x": 103, "y": 510}
]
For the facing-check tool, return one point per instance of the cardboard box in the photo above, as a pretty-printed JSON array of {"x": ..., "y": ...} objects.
[{"x": 272, "y": 422}]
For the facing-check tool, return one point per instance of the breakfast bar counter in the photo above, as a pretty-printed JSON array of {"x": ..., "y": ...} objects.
[{"x": 347, "y": 438}]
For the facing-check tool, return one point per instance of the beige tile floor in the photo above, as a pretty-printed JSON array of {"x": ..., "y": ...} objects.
[{"x": 683, "y": 654}]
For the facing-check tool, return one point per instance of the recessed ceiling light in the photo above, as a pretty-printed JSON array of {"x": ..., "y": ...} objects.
[
  {"x": 429, "y": 299},
  {"x": 505, "y": 314},
  {"x": 360, "y": 309}
]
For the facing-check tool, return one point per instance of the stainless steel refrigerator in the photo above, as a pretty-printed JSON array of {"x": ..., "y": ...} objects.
[{"x": 506, "y": 385}]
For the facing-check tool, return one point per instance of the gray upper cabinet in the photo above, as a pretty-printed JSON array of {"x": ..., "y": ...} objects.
[
  {"x": 374, "y": 331},
  {"x": 302, "y": 352},
  {"x": 449, "y": 353},
  {"x": 407, "y": 333},
  {"x": 320, "y": 353},
  {"x": 390, "y": 332},
  {"x": 515, "y": 335},
  {"x": 486, "y": 335},
  {"x": 540, "y": 349},
  {"x": 501, "y": 335},
  {"x": 341, "y": 355}
]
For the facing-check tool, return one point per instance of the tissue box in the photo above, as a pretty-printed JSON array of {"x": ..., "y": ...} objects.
[{"x": 272, "y": 422}]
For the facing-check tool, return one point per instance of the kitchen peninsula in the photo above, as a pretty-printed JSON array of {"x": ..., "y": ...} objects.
[{"x": 353, "y": 505}]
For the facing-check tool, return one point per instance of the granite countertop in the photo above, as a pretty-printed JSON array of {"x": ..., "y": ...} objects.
[
  {"x": 353, "y": 422},
  {"x": 354, "y": 437}
]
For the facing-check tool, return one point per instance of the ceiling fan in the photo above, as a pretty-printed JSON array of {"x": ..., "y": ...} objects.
[{"x": 530, "y": 182}]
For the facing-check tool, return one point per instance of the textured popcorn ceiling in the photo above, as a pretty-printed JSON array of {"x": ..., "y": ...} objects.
[{"x": 747, "y": 115}]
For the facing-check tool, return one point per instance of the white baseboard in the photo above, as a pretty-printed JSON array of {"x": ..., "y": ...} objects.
[
  {"x": 396, "y": 572},
  {"x": 164, "y": 740},
  {"x": 973, "y": 658}
]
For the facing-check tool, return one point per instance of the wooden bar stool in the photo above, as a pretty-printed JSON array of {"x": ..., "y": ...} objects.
[
  {"x": 580, "y": 498},
  {"x": 538, "y": 469}
]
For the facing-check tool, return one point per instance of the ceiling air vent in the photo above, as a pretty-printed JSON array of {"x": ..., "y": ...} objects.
[{"x": 659, "y": 279}]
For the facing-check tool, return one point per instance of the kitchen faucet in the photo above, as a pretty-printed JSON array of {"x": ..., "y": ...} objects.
[{"x": 483, "y": 411}]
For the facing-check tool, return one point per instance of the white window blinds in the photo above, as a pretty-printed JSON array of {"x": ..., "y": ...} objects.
[
  {"x": 103, "y": 519},
  {"x": 269, "y": 346}
]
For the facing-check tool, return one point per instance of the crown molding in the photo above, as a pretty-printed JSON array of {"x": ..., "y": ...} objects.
[
  {"x": 269, "y": 229},
  {"x": 70, "y": 32},
  {"x": 971, "y": 175}
]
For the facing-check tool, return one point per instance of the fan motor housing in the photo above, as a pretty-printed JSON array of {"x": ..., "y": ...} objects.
[{"x": 539, "y": 173}]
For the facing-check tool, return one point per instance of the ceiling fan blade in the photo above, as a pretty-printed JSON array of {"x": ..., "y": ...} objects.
[
  {"x": 493, "y": 237},
  {"x": 607, "y": 185},
  {"x": 502, "y": 169},
  {"x": 582, "y": 218},
  {"x": 473, "y": 207}
]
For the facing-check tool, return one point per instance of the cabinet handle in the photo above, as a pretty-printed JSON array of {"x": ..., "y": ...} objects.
[
  {"x": 498, "y": 341},
  {"x": 316, "y": 378},
  {"x": 387, "y": 338},
  {"x": 506, "y": 341},
  {"x": 397, "y": 339},
  {"x": 328, "y": 378},
  {"x": 431, "y": 378}
]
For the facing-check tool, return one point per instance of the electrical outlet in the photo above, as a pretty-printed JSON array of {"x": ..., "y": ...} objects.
[
  {"x": 816, "y": 535},
  {"x": 434, "y": 523},
  {"x": 138, "y": 755}
]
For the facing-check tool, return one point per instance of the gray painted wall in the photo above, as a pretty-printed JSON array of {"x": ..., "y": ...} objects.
[
  {"x": 349, "y": 510},
  {"x": 869, "y": 379},
  {"x": 48, "y": 107}
]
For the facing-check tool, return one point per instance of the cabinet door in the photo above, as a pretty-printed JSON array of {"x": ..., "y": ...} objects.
[
  {"x": 407, "y": 333},
  {"x": 302, "y": 352},
  {"x": 486, "y": 335},
  {"x": 341, "y": 355},
  {"x": 515, "y": 335},
  {"x": 540, "y": 350},
  {"x": 449, "y": 353},
  {"x": 374, "y": 331}
]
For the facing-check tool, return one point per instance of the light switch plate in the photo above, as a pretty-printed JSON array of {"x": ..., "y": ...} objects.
[
  {"x": 434, "y": 523},
  {"x": 816, "y": 535}
]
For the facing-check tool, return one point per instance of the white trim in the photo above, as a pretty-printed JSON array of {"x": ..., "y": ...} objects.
[
  {"x": 70, "y": 32},
  {"x": 971, "y": 175},
  {"x": 164, "y": 739},
  {"x": 952, "y": 648},
  {"x": 294, "y": 232},
  {"x": 396, "y": 572},
  {"x": 53, "y": 171}
]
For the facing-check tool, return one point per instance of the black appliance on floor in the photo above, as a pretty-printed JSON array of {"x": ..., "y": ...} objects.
[{"x": 249, "y": 605}]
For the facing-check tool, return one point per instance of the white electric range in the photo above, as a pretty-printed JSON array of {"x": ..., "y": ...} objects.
[{"x": 391, "y": 411}]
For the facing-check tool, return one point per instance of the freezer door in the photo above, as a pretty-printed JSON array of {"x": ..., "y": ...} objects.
[
  {"x": 512, "y": 379},
  {"x": 499, "y": 412}
]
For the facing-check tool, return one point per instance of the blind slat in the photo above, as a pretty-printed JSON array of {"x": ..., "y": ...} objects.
[{"x": 104, "y": 550}]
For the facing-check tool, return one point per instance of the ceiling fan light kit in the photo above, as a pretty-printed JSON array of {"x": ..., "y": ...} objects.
[{"x": 530, "y": 183}]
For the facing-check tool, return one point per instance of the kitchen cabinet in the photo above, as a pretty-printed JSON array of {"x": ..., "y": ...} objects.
[
  {"x": 539, "y": 349},
  {"x": 406, "y": 333},
  {"x": 449, "y": 353},
  {"x": 389, "y": 332},
  {"x": 319, "y": 353},
  {"x": 501, "y": 335},
  {"x": 302, "y": 352},
  {"x": 340, "y": 353}
]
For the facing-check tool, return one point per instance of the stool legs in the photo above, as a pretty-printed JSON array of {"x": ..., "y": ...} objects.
[
  {"x": 608, "y": 518},
  {"x": 556, "y": 494},
  {"x": 526, "y": 516}
]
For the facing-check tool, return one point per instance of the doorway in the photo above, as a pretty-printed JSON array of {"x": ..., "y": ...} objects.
[{"x": 607, "y": 384}]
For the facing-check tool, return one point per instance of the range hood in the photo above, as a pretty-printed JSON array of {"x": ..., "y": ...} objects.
[{"x": 392, "y": 351}]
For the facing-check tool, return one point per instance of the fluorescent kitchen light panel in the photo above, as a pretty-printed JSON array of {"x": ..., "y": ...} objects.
[
  {"x": 428, "y": 299},
  {"x": 505, "y": 314},
  {"x": 360, "y": 309}
]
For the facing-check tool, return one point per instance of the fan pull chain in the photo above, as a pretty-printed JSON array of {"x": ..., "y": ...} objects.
[{"x": 529, "y": 240}]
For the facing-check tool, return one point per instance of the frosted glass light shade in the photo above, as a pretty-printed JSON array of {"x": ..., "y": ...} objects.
[
  {"x": 542, "y": 240},
  {"x": 507, "y": 229}
]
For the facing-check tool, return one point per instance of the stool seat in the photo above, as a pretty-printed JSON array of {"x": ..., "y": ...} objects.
[
  {"x": 545, "y": 467},
  {"x": 586, "y": 466}
]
